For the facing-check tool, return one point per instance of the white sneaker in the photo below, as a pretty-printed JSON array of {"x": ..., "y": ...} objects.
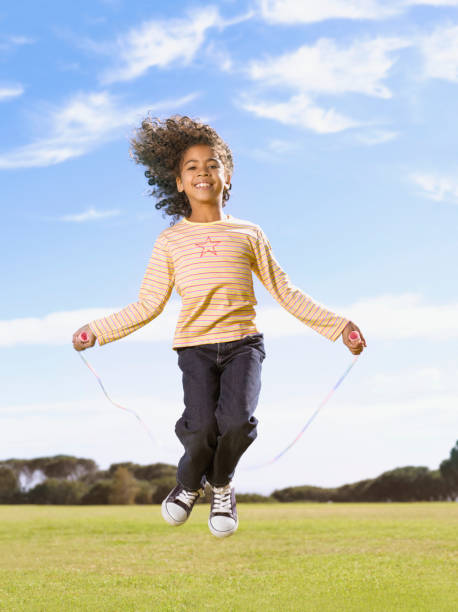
[
  {"x": 223, "y": 520},
  {"x": 178, "y": 504}
]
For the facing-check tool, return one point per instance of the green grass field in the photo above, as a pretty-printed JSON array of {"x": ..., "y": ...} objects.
[{"x": 369, "y": 557}]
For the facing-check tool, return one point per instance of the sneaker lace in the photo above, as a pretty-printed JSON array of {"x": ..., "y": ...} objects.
[
  {"x": 188, "y": 497},
  {"x": 222, "y": 499}
]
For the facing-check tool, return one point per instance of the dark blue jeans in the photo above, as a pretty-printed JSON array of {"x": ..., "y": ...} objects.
[{"x": 221, "y": 384}]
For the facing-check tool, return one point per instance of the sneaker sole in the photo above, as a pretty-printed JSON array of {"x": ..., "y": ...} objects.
[
  {"x": 168, "y": 517},
  {"x": 222, "y": 534}
]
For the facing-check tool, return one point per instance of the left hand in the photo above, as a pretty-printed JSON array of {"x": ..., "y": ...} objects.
[
  {"x": 355, "y": 347},
  {"x": 78, "y": 344}
]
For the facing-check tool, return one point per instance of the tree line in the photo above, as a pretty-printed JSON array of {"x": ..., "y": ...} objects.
[{"x": 72, "y": 480}]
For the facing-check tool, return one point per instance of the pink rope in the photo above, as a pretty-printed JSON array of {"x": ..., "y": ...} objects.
[
  {"x": 353, "y": 336},
  {"x": 308, "y": 423},
  {"x": 83, "y": 338}
]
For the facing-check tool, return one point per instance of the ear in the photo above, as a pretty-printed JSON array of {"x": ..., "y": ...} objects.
[{"x": 179, "y": 184}]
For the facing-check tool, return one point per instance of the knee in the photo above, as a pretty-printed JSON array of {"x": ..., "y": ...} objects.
[
  {"x": 241, "y": 429},
  {"x": 196, "y": 435}
]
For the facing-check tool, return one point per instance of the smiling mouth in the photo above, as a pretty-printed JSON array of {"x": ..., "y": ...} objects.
[{"x": 202, "y": 185}]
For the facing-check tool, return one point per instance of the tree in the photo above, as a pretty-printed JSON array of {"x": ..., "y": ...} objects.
[
  {"x": 163, "y": 488},
  {"x": 408, "y": 483},
  {"x": 8, "y": 484},
  {"x": 125, "y": 487},
  {"x": 150, "y": 472},
  {"x": 60, "y": 466},
  {"x": 145, "y": 492},
  {"x": 98, "y": 494},
  {"x": 449, "y": 470},
  {"x": 56, "y": 491},
  {"x": 68, "y": 467}
]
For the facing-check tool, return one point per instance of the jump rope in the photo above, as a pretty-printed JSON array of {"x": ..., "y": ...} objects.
[{"x": 353, "y": 337}]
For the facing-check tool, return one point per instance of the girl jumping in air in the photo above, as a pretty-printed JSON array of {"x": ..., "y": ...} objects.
[{"x": 209, "y": 257}]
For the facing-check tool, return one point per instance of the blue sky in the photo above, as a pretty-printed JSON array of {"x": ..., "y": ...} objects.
[{"x": 342, "y": 121}]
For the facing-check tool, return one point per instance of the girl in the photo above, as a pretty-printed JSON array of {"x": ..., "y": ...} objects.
[{"x": 209, "y": 258}]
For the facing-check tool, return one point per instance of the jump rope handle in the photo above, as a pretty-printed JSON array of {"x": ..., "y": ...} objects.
[
  {"x": 352, "y": 336},
  {"x": 83, "y": 337}
]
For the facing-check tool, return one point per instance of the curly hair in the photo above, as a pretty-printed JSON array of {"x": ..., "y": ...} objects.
[{"x": 160, "y": 146}]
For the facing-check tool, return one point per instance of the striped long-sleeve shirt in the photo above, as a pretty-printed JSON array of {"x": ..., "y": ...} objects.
[{"x": 211, "y": 265}]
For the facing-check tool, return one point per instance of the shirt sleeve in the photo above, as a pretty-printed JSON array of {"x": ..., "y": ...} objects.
[
  {"x": 302, "y": 306},
  {"x": 155, "y": 291}
]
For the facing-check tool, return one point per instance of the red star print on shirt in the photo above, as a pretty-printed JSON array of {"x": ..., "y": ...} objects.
[{"x": 207, "y": 246}]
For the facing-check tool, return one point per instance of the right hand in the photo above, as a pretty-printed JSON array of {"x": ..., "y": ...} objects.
[
  {"x": 355, "y": 347},
  {"x": 78, "y": 345}
]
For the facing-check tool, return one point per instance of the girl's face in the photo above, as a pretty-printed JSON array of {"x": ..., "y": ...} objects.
[{"x": 202, "y": 175}]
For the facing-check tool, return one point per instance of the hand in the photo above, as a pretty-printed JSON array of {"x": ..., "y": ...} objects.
[
  {"x": 78, "y": 344},
  {"x": 356, "y": 347}
]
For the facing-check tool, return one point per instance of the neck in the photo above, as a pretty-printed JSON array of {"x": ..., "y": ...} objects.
[{"x": 206, "y": 215}]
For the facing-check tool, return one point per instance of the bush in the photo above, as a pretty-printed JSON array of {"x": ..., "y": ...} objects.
[
  {"x": 145, "y": 493},
  {"x": 150, "y": 472},
  {"x": 255, "y": 498},
  {"x": 124, "y": 487},
  {"x": 163, "y": 488},
  {"x": 305, "y": 493},
  {"x": 449, "y": 471},
  {"x": 8, "y": 485},
  {"x": 56, "y": 491},
  {"x": 408, "y": 483},
  {"x": 98, "y": 494}
]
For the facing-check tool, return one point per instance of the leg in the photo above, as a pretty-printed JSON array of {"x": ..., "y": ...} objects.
[
  {"x": 197, "y": 428},
  {"x": 240, "y": 385}
]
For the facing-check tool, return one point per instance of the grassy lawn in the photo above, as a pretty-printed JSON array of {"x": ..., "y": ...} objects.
[{"x": 307, "y": 557}]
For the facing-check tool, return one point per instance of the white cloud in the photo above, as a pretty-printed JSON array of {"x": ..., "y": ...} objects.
[
  {"x": 301, "y": 111},
  {"x": 8, "y": 42},
  {"x": 86, "y": 121},
  {"x": 440, "y": 53},
  {"x": 294, "y": 11},
  {"x": 164, "y": 43},
  {"x": 219, "y": 56},
  {"x": 377, "y": 137},
  {"x": 281, "y": 147},
  {"x": 159, "y": 44},
  {"x": 411, "y": 382},
  {"x": 329, "y": 68},
  {"x": 89, "y": 215},
  {"x": 63, "y": 426},
  {"x": 437, "y": 187},
  {"x": 398, "y": 317},
  {"x": 274, "y": 150},
  {"x": 323, "y": 68},
  {"x": 387, "y": 317},
  {"x": 431, "y": 2},
  {"x": 12, "y": 91},
  {"x": 309, "y": 11},
  {"x": 57, "y": 328},
  {"x": 20, "y": 40}
]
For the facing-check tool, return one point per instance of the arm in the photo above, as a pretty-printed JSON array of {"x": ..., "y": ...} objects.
[
  {"x": 155, "y": 291},
  {"x": 302, "y": 306}
]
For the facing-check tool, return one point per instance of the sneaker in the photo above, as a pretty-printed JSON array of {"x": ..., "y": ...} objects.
[
  {"x": 223, "y": 520},
  {"x": 178, "y": 504}
]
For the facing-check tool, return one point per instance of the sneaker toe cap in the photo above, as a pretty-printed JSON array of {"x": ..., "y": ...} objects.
[
  {"x": 222, "y": 526},
  {"x": 173, "y": 513}
]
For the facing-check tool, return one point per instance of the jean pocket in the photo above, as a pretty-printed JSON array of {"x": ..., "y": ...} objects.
[{"x": 257, "y": 342}]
